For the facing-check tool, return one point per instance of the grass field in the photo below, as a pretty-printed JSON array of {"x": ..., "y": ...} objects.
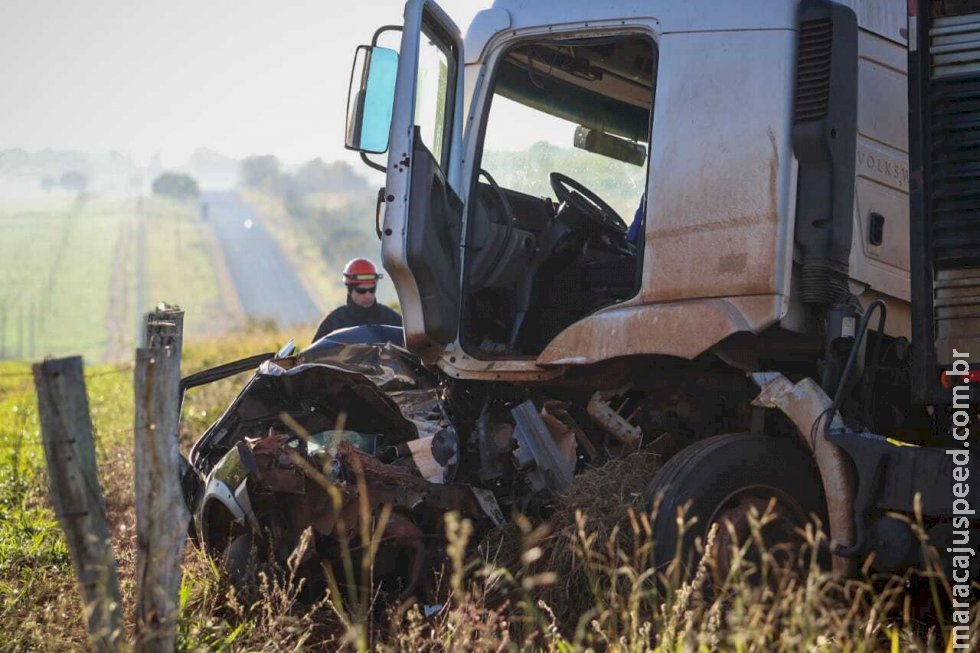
[
  {"x": 183, "y": 265},
  {"x": 77, "y": 272},
  {"x": 56, "y": 260},
  {"x": 581, "y": 582},
  {"x": 39, "y": 606}
]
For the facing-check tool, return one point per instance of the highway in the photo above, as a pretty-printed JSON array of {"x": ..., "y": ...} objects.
[{"x": 267, "y": 284}]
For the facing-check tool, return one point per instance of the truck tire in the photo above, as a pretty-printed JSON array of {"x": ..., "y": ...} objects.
[{"x": 720, "y": 479}]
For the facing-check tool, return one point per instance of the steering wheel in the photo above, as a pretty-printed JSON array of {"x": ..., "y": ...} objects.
[{"x": 590, "y": 205}]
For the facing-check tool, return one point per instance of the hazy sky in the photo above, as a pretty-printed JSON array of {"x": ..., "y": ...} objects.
[{"x": 166, "y": 76}]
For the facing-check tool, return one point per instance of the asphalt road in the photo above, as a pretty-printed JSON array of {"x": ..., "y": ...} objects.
[{"x": 267, "y": 284}]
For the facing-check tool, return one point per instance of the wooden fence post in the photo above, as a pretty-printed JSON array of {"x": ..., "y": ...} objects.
[
  {"x": 73, "y": 482},
  {"x": 161, "y": 516}
]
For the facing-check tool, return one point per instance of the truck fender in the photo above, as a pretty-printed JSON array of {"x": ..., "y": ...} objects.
[{"x": 806, "y": 405}]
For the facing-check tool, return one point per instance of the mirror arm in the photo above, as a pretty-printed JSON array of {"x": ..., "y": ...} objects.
[
  {"x": 377, "y": 211},
  {"x": 371, "y": 164},
  {"x": 381, "y": 30}
]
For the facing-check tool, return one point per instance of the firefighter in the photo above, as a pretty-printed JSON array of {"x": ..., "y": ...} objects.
[{"x": 361, "y": 279}]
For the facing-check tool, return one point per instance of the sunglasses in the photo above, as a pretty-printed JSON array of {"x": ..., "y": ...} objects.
[{"x": 364, "y": 291}]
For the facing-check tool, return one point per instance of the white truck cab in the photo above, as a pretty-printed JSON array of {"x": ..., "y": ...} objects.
[{"x": 579, "y": 182}]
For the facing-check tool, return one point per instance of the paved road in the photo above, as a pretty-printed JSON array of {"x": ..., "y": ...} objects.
[{"x": 267, "y": 284}]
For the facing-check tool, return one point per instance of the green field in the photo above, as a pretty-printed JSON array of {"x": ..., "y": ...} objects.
[
  {"x": 183, "y": 265},
  {"x": 56, "y": 261},
  {"x": 76, "y": 273}
]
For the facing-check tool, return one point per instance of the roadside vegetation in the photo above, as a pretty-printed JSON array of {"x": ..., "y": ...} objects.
[
  {"x": 322, "y": 215},
  {"x": 57, "y": 255},
  {"x": 581, "y": 581},
  {"x": 70, "y": 280},
  {"x": 184, "y": 266}
]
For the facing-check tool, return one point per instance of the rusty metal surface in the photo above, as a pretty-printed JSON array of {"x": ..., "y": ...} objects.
[
  {"x": 683, "y": 329},
  {"x": 561, "y": 424},
  {"x": 458, "y": 365},
  {"x": 807, "y": 406},
  {"x": 294, "y": 491}
]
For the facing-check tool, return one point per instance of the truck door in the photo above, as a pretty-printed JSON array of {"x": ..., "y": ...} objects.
[{"x": 423, "y": 209}]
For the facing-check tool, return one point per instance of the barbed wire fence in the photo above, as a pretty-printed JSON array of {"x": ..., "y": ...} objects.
[
  {"x": 69, "y": 441},
  {"x": 26, "y": 390}
]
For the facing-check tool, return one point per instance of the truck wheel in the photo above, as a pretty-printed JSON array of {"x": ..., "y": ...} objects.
[{"x": 722, "y": 479}]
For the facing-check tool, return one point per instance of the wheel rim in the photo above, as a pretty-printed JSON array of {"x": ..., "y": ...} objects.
[{"x": 779, "y": 531}]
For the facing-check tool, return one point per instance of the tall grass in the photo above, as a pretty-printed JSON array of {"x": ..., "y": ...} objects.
[
  {"x": 582, "y": 580},
  {"x": 39, "y": 605},
  {"x": 585, "y": 583},
  {"x": 756, "y": 604}
]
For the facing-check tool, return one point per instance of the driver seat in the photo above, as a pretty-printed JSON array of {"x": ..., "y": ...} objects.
[{"x": 555, "y": 241}]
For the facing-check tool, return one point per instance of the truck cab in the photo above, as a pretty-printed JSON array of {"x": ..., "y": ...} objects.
[
  {"x": 567, "y": 187},
  {"x": 676, "y": 221}
]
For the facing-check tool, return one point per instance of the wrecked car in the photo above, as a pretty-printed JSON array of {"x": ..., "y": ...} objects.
[{"x": 355, "y": 427}]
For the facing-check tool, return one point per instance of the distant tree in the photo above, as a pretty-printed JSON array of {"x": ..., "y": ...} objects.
[
  {"x": 48, "y": 183},
  {"x": 74, "y": 181},
  {"x": 315, "y": 176},
  {"x": 176, "y": 185},
  {"x": 261, "y": 172}
]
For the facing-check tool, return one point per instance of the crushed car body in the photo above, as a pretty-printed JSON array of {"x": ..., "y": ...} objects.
[{"x": 319, "y": 441}]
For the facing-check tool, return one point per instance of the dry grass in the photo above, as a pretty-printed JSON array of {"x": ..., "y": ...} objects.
[
  {"x": 580, "y": 582},
  {"x": 584, "y": 584}
]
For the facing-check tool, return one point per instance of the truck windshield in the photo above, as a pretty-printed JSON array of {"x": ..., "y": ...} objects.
[
  {"x": 544, "y": 92},
  {"x": 524, "y": 145},
  {"x": 554, "y": 228}
]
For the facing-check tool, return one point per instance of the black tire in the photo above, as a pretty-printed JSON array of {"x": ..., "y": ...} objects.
[
  {"x": 240, "y": 562},
  {"x": 712, "y": 472}
]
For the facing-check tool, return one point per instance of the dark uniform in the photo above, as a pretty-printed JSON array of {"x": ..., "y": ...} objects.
[{"x": 354, "y": 315}]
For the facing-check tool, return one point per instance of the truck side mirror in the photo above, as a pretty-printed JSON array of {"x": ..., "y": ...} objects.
[{"x": 370, "y": 99}]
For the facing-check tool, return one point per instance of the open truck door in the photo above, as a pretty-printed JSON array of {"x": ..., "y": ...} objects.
[{"x": 418, "y": 92}]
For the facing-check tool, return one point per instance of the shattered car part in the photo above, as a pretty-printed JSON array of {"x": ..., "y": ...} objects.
[
  {"x": 546, "y": 464},
  {"x": 494, "y": 439},
  {"x": 559, "y": 421},
  {"x": 611, "y": 420},
  {"x": 365, "y": 388},
  {"x": 318, "y": 442}
]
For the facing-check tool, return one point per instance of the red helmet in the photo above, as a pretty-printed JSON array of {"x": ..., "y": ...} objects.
[{"x": 361, "y": 272}]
